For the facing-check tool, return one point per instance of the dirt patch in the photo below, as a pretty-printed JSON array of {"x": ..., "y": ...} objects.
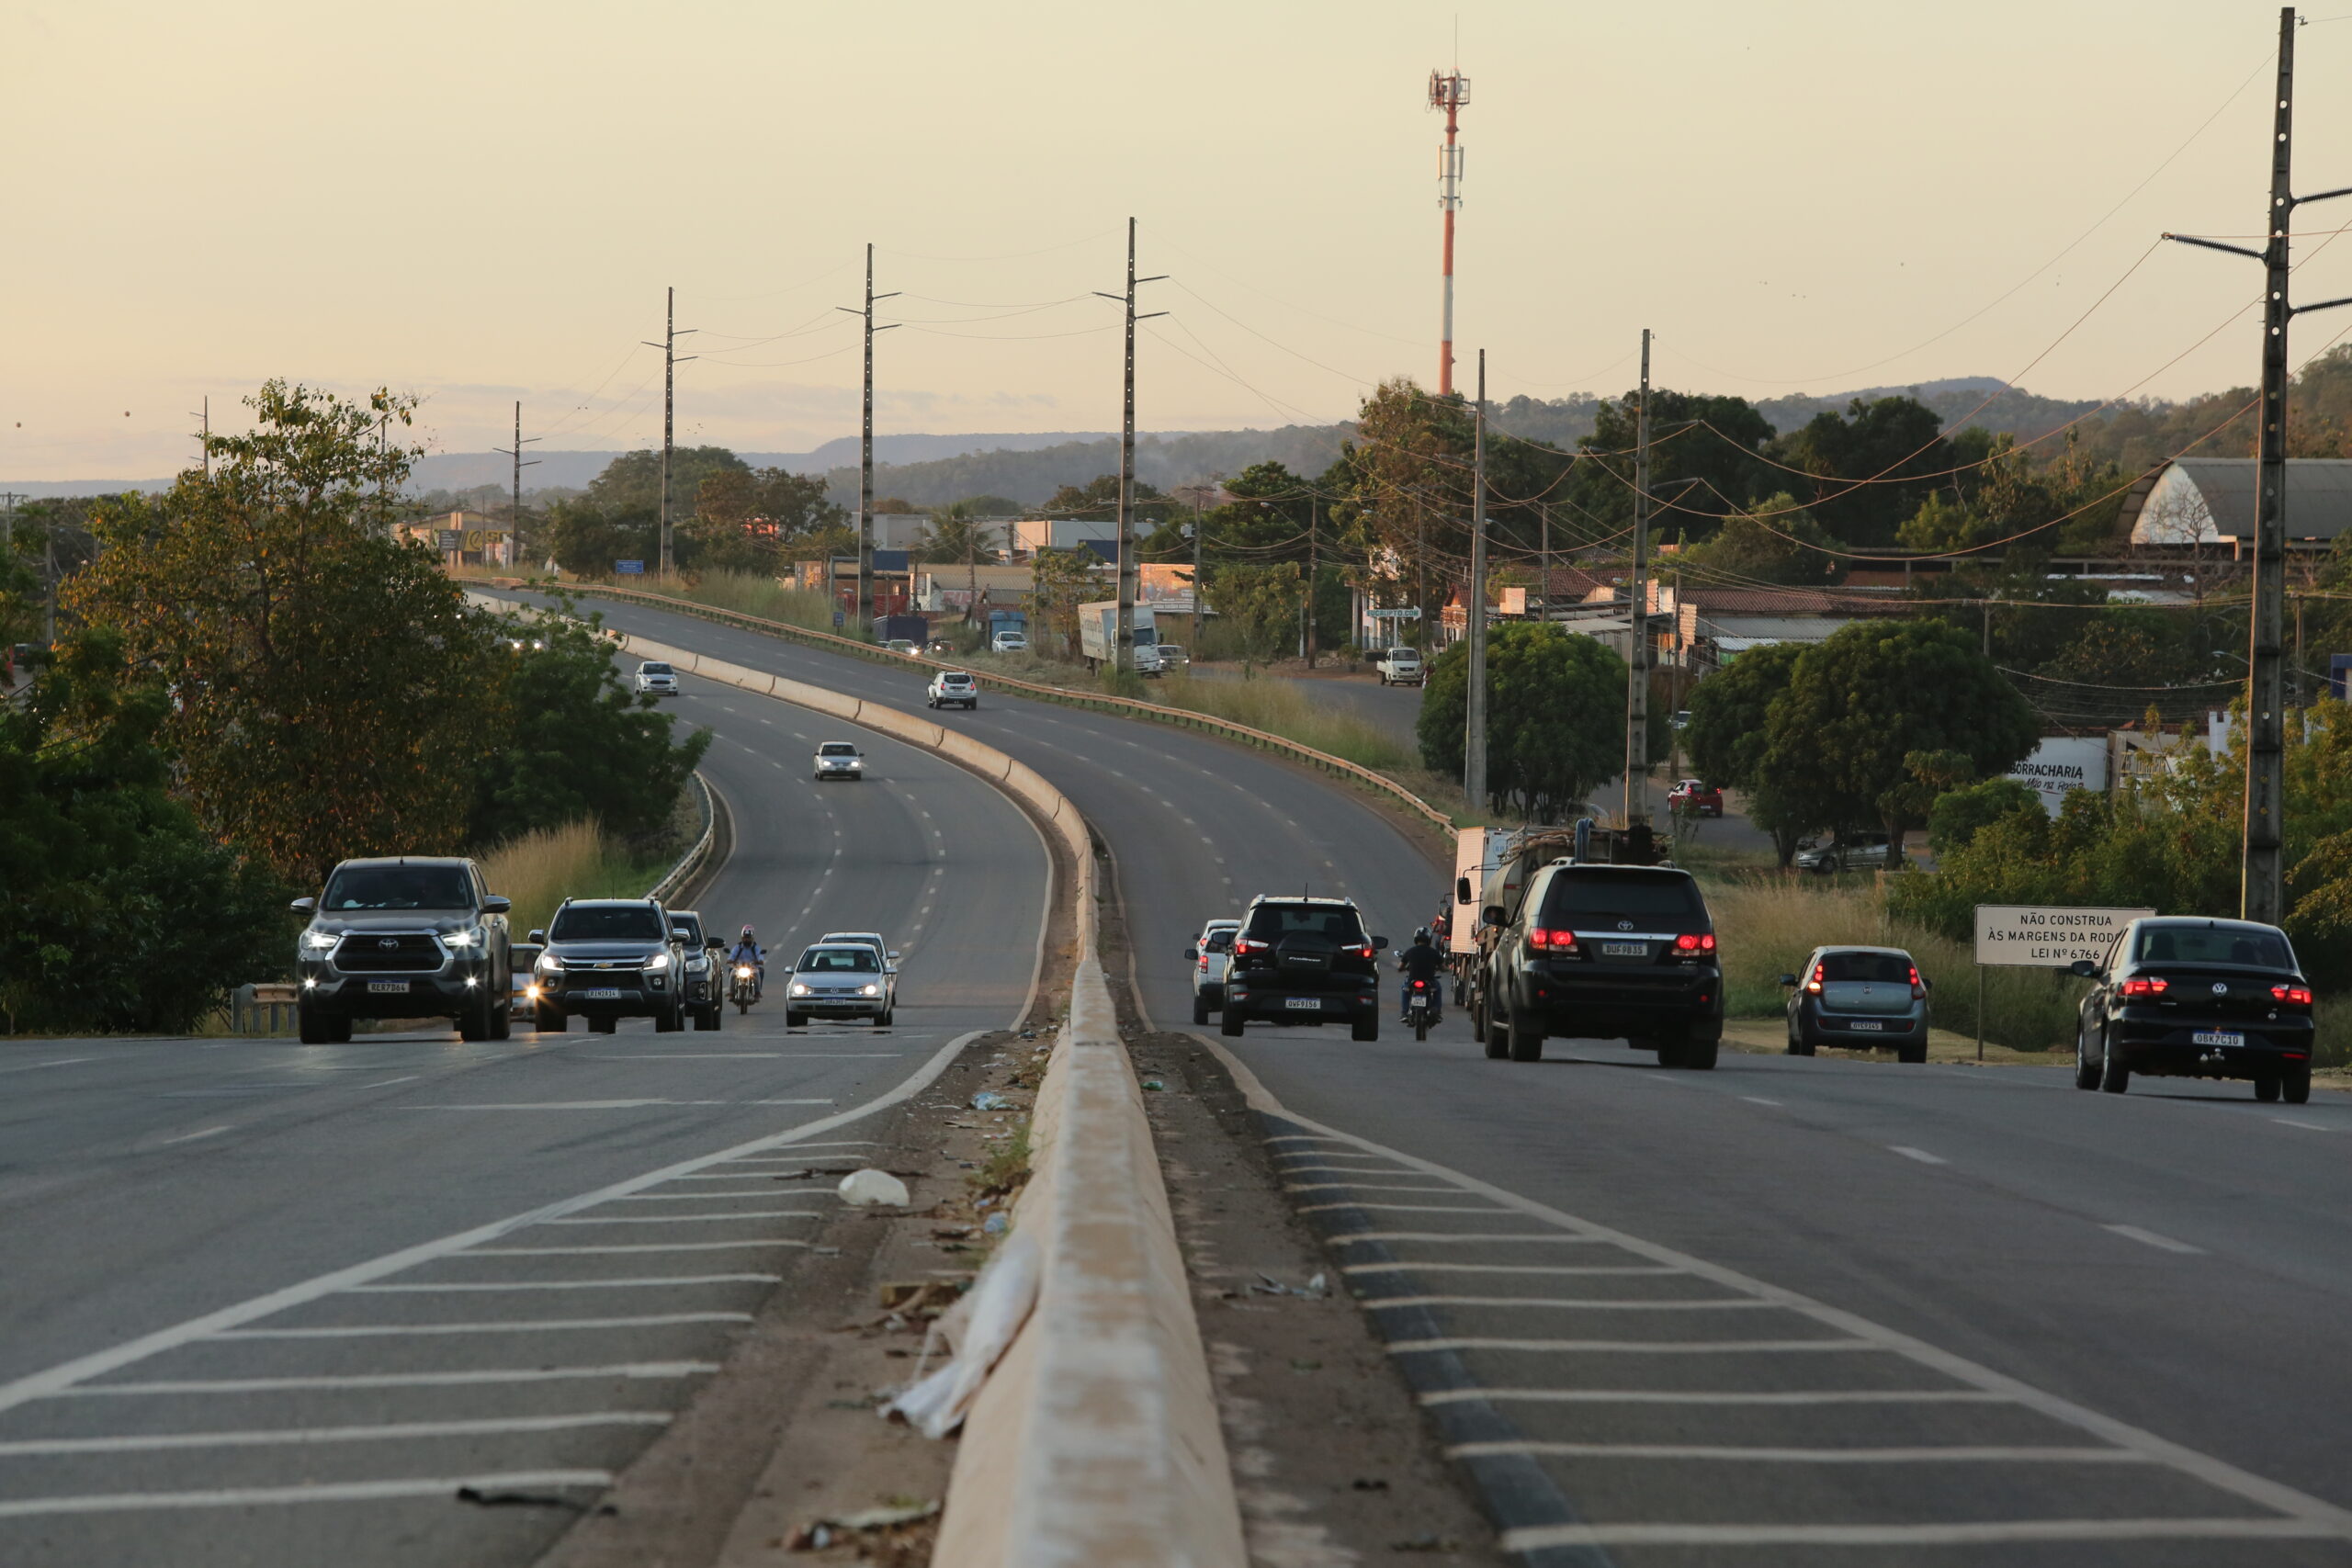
[{"x": 1332, "y": 1460}]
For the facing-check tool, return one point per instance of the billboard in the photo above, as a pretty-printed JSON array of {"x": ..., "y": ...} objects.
[
  {"x": 2061, "y": 765},
  {"x": 628, "y": 568},
  {"x": 2031, "y": 936}
]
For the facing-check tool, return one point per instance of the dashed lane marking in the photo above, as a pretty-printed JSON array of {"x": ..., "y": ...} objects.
[
  {"x": 191, "y": 1137},
  {"x": 1405, "y": 1208},
  {"x": 1631, "y": 1346},
  {"x": 150, "y": 1442},
  {"x": 673, "y": 1281},
  {"x": 640, "y": 1247},
  {"x": 2152, "y": 1238},
  {"x": 609, "y": 1104},
  {"x": 513, "y": 1325},
  {"x": 324, "y": 1491},
  {"x": 686, "y": 1219},
  {"x": 1759, "y": 1099},
  {"x": 389, "y": 1082},
  {"x": 36, "y": 1066},
  {"x": 1735, "y": 1453},
  {"x": 1421, "y": 1267},
  {"x": 1922, "y": 1156},
  {"x": 1741, "y": 1396},
  {"x": 1479, "y": 1237},
  {"x": 642, "y": 1371},
  {"x": 2001, "y": 1532},
  {"x": 2307, "y": 1126},
  {"x": 1563, "y": 1304}
]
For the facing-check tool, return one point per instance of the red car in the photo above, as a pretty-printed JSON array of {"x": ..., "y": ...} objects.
[{"x": 1697, "y": 798}]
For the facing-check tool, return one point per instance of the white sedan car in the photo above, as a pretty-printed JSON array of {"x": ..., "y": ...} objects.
[
  {"x": 840, "y": 760},
  {"x": 1009, "y": 642},
  {"x": 657, "y": 677}
]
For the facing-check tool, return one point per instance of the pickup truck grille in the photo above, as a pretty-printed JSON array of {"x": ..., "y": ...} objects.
[{"x": 362, "y": 953}]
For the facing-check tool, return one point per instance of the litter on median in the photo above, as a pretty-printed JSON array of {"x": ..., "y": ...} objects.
[
  {"x": 976, "y": 1330},
  {"x": 868, "y": 1189}
]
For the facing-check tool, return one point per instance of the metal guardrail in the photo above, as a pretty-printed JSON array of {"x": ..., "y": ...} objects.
[
  {"x": 1101, "y": 703},
  {"x": 691, "y": 862}
]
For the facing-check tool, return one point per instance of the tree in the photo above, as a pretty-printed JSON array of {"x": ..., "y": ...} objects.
[
  {"x": 1871, "y": 466},
  {"x": 1098, "y": 500},
  {"x": 954, "y": 538},
  {"x": 1062, "y": 581},
  {"x": 630, "y": 487},
  {"x": 330, "y": 690},
  {"x": 1555, "y": 719},
  {"x": 1859, "y": 705},
  {"x": 1705, "y": 461},
  {"x": 585, "y": 539},
  {"x": 1255, "y": 606},
  {"x": 756, "y": 519},
  {"x": 1773, "y": 541},
  {"x": 1729, "y": 730}
]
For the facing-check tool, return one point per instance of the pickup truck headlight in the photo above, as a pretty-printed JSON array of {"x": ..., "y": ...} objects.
[
  {"x": 465, "y": 940},
  {"x": 316, "y": 942},
  {"x": 549, "y": 961},
  {"x": 657, "y": 963}
]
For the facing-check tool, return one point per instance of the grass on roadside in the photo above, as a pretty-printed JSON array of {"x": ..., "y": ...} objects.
[{"x": 538, "y": 871}]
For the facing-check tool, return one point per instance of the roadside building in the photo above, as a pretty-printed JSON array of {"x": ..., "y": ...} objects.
[{"x": 2211, "y": 500}]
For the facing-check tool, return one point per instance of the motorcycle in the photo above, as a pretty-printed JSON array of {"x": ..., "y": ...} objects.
[
  {"x": 1421, "y": 1005},
  {"x": 746, "y": 987}
]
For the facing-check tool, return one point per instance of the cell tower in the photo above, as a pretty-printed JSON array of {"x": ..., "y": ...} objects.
[{"x": 1449, "y": 90}]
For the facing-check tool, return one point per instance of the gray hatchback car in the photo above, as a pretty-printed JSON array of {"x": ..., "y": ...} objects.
[{"x": 1860, "y": 998}]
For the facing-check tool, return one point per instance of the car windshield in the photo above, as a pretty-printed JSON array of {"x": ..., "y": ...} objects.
[
  {"x": 653, "y": 670},
  {"x": 606, "y": 922},
  {"x": 1271, "y": 922},
  {"x": 1595, "y": 892},
  {"x": 688, "y": 927},
  {"x": 359, "y": 887},
  {"x": 838, "y": 961},
  {"x": 2242, "y": 946},
  {"x": 1867, "y": 968},
  {"x": 837, "y": 749}
]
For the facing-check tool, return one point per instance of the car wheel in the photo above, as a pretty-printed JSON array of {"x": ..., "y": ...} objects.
[
  {"x": 2266, "y": 1087},
  {"x": 502, "y": 1018},
  {"x": 474, "y": 1023},
  {"x": 2113, "y": 1075},
  {"x": 313, "y": 1027},
  {"x": 1498, "y": 1044},
  {"x": 547, "y": 1020},
  {"x": 1230, "y": 1022},
  {"x": 667, "y": 1022},
  {"x": 1798, "y": 1044},
  {"x": 2295, "y": 1085},
  {"x": 706, "y": 1020},
  {"x": 1200, "y": 1008},
  {"x": 882, "y": 1020},
  {"x": 2086, "y": 1070},
  {"x": 1526, "y": 1042},
  {"x": 1697, "y": 1056},
  {"x": 1366, "y": 1027},
  {"x": 1916, "y": 1055}
]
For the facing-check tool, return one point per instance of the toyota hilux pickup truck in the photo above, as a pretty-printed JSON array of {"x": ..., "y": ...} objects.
[{"x": 410, "y": 936}]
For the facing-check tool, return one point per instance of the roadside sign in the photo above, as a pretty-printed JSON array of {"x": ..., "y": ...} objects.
[
  {"x": 2036, "y": 936},
  {"x": 628, "y": 568},
  {"x": 1410, "y": 613},
  {"x": 447, "y": 539}
]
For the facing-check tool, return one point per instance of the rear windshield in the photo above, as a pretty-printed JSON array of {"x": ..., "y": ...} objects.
[
  {"x": 2213, "y": 944},
  {"x": 1871, "y": 968},
  {"x": 1271, "y": 922},
  {"x": 1616, "y": 893},
  {"x": 611, "y": 922},
  {"x": 653, "y": 669},
  {"x": 837, "y": 749},
  {"x": 838, "y": 961},
  {"x": 399, "y": 887},
  {"x": 1218, "y": 939}
]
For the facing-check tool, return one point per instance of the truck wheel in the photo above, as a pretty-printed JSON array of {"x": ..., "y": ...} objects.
[
  {"x": 1366, "y": 1027},
  {"x": 548, "y": 1020},
  {"x": 2113, "y": 1075},
  {"x": 2295, "y": 1085},
  {"x": 1697, "y": 1056},
  {"x": 1200, "y": 1008},
  {"x": 709, "y": 1017},
  {"x": 1230, "y": 1022},
  {"x": 1526, "y": 1042},
  {"x": 315, "y": 1027}
]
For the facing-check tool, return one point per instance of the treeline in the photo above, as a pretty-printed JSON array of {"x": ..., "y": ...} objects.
[{"x": 255, "y": 679}]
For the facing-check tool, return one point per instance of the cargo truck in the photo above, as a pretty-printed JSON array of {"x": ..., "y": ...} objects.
[{"x": 1098, "y": 635}]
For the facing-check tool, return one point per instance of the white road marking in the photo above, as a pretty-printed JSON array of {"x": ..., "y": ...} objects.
[
  {"x": 191, "y": 1137},
  {"x": 65, "y": 1374},
  {"x": 394, "y": 1330},
  {"x": 2307, "y": 1126},
  {"x": 325, "y": 1491},
  {"x": 1635, "y": 1346},
  {"x": 1732, "y": 1453},
  {"x": 1992, "y": 1533},
  {"x": 685, "y": 1056},
  {"x": 1507, "y": 1269},
  {"x": 610, "y": 1104},
  {"x": 35, "y": 1067},
  {"x": 147, "y": 1443},
  {"x": 1733, "y": 1303},
  {"x": 689, "y": 1219},
  {"x": 389, "y": 1082},
  {"x": 1759, "y": 1099},
  {"x": 1676, "y": 1396},
  {"x": 641, "y": 1247},
  {"x": 1472, "y": 1236},
  {"x": 698, "y": 1196},
  {"x": 669, "y": 1281},
  {"x": 641, "y": 1370},
  {"x": 1922, "y": 1156},
  {"x": 2152, "y": 1238},
  {"x": 1405, "y": 1208},
  {"x": 1357, "y": 1187}
]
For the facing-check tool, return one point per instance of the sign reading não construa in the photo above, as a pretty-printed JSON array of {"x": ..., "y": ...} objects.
[{"x": 2030, "y": 936}]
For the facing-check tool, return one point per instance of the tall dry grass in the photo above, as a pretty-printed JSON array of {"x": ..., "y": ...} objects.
[
  {"x": 753, "y": 594},
  {"x": 1280, "y": 707},
  {"x": 539, "y": 870},
  {"x": 1766, "y": 926}
]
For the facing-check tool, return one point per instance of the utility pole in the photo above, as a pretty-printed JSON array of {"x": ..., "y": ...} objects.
[
  {"x": 205, "y": 413},
  {"x": 1543, "y": 511},
  {"x": 1449, "y": 90},
  {"x": 670, "y": 363},
  {"x": 2261, "y": 893},
  {"x": 1196, "y": 649},
  {"x": 1123, "y": 656},
  {"x": 865, "y": 457},
  {"x": 1638, "y": 675},
  {"x": 1474, "y": 760},
  {"x": 514, "y": 516},
  {"x": 1307, "y": 629},
  {"x": 1421, "y": 571}
]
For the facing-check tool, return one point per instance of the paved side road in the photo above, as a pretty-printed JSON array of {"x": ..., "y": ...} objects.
[{"x": 275, "y": 1303}]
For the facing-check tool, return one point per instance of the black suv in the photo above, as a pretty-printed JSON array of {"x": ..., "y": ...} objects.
[
  {"x": 2196, "y": 998},
  {"x": 607, "y": 959},
  {"x": 706, "y": 997},
  {"x": 414, "y": 936},
  {"x": 1604, "y": 952},
  {"x": 1304, "y": 961}
]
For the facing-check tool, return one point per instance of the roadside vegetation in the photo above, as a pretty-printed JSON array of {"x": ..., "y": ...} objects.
[{"x": 540, "y": 869}]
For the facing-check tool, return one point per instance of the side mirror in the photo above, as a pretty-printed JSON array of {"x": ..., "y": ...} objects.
[
  {"x": 539, "y": 937},
  {"x": 304, "y": 906},
  {"x": 714, "y": 945},
  {"x": 1378, "y": 942},
  {"x": 1789, "y": 980},
  {"x": 894, "y": 957},
  {"x": 2084, "y": 967},
  {"x": 1192, "y": 954},
  {"x": 1926, "y": 984},
  {"x": 496, "y": 904},
  {"x": 1462, "y": 890},
  {"x": 1492, "y": 915}
]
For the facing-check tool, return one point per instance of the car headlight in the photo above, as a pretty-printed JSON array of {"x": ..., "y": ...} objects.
[
  {"x": 658, "y": 963},
  {"x": 464, "y": 940},
  {"x": 869, "y": 990},
  {"x": 549, "y": 961},
  {"x": 318, "y": 942},
  {"x": 799, "y": 990}
]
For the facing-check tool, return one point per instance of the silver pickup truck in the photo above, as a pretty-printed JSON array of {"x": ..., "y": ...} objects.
[{"x": 1400, "y": 667}]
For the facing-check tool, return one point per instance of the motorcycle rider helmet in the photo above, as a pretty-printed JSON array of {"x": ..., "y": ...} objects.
[
  {"x": 1421, "y": 937},
  {"x": 747, "y": 933}
]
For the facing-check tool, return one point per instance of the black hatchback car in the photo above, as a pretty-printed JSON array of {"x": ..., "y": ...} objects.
[
  {"x": 1304, "y": 961},
  {"x": 1599, "y": 953},
  {"x": 2180, "y": 998}
]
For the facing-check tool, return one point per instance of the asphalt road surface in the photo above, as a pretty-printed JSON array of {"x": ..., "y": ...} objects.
[
  {"x": 271, "y": 1304},
  {"x": 1791, "y": 1311}
]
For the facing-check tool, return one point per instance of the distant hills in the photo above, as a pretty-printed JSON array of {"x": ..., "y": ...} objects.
[{"x": 931, "y": 471}]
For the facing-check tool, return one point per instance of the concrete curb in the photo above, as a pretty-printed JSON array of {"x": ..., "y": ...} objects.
[{"x": 1095, "y": 1441}]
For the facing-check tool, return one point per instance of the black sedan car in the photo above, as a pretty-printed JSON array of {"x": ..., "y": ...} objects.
[{"x": 2180, "y": 998}]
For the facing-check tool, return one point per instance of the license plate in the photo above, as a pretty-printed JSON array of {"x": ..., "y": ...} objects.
[
  {"x": 1304, "y": 1004},
  {"x": 2216, "y": 1037},
  {"x": 389, "y": 987},
  {"x": 1625, "y": 950},
  {"x": 1869, "y": 1025},
  {"x": 600, "y": 994}
]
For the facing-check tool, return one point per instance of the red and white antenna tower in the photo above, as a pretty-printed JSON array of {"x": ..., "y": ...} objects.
[{"x": 1449, "y": 90}]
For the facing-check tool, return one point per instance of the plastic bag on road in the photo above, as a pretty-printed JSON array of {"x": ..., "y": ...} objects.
[
  {"x": 977, "y": 1330},
  {"x": 868, "y": 1189}
]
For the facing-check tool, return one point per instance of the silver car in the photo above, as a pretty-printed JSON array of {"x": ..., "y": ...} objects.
[
  {"x": 882, "y": 950},
  {"x": 840, "y": 760},
  {"x": 655, "y": 678},
  {"x": 1859, "y": 998},
  {"x": 1210, "y": 955},
  {"x": 837, "y": 979}
]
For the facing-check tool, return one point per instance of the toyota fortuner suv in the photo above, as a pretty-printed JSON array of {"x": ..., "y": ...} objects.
[
  {"x": 1300, "y": 960},
  {"x": 414, "y": 936},
  {"x": 1602, "y": 953},
  {"x": 607, "y": 959}
]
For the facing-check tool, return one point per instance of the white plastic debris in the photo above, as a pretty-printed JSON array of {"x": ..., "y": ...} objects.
[
  {"x": 988, "y": 1099},
  {"x": 977, "y": 1329},
  {"x": 869, "y": 1188}
]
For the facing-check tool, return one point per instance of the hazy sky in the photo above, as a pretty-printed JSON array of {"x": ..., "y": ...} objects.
[{"x": 482, "y": 202}]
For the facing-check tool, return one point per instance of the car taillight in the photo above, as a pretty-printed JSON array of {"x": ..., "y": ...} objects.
[
  {"x": 1251, "y": 944},
  {"x": 2299, "y": 995},
  {"x": 1541, "y": 938},
  {"x": 1205, "y": 963},
  {"x": 1918, "y": 990},
  {"x": 1361, "y": 950},
  {"x": 1813, "y": 981},
  {"x": 2148, "y": 988},
  {"x": 1701, "y": 942}
]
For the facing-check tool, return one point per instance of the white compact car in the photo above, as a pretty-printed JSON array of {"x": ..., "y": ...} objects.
[
  {"x": 658, "y": 678},
  {"x": 1009, "y": 642},
  {"x": 955, "y": 688},
  {"x": 840, "y": 760}
]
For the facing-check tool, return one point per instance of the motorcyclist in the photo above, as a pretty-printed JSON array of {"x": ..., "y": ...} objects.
[
  {"x": 748, "y": 951},
  {"x": 1421, "y": 962}
]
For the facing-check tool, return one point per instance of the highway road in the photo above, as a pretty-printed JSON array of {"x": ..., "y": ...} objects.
[
  {"x": 1793, "y": 1311},
  {"x": 270, "y": 1304}
]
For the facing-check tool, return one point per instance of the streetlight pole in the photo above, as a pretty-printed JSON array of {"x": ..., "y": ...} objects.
[
  {"x": 1474, "y": 760},
  {"x": 670, "y": 363},
  {"x": 1637, "y": 677},
  {"x": 1124, "y": 655},
  {"x": 865, "y": 459}
]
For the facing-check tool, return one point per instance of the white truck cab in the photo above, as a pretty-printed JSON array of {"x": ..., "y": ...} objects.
[{"x": 1400, "y": 667}]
